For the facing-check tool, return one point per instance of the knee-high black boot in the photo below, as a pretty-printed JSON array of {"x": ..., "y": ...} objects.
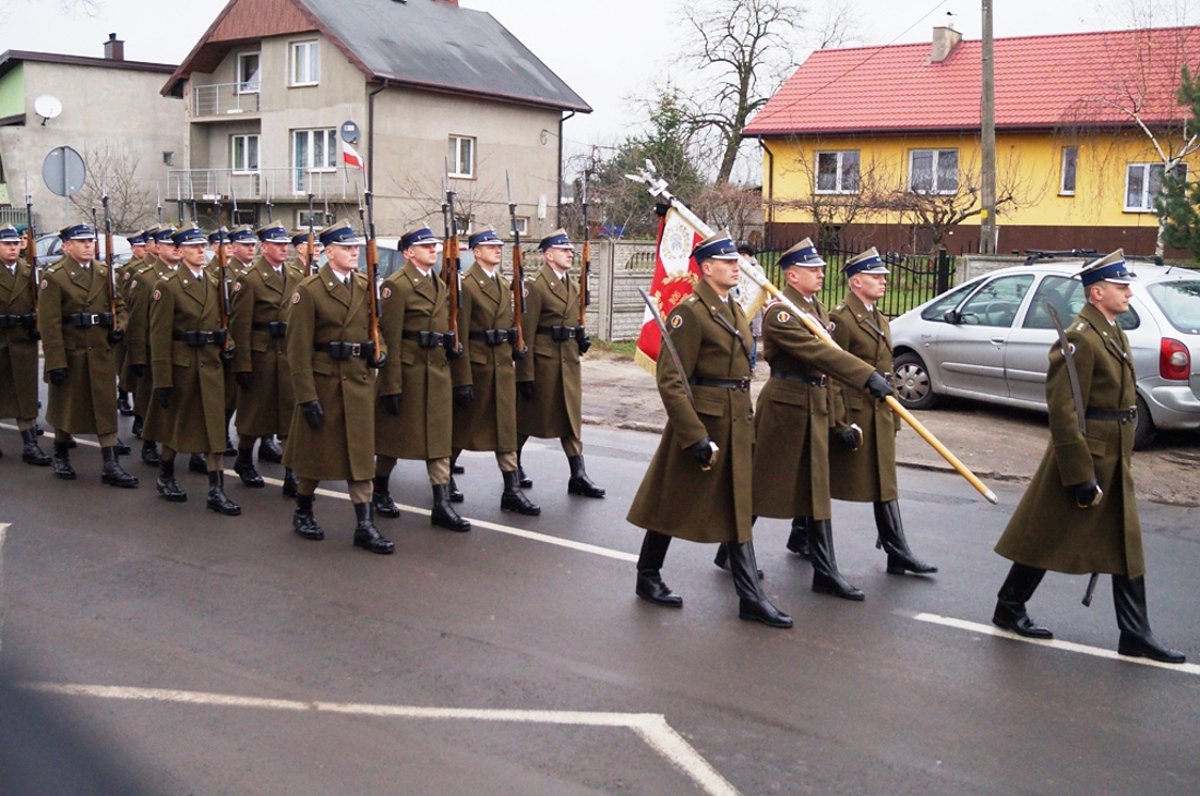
[
  {"x": 650, "y": 584},
  {"x": 798, "y": 539},
  {"x": 1010, "y": 613},
  {"x": 753, "y": 604},
  {"x": 900, "y": 558},
  {"x": 1137, "y": 640},
  {"x": 721, "y": 559},
  {"x": 826, "y": 578}
]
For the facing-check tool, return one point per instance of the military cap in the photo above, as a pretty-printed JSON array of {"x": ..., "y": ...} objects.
[
  {"x": 804, "y": 254},
  {"x": 1110, "y": 268},
  {"x": 869, "y": 262},
  {"x": 557, "y": 239},
  {"x": 148, "y": 232},
  {"x": 273, "y": 232},
  {"x": 421, "y": 236},
  {"x": 137, "y": 239},
  {"x": 9, "y": 233},
  {"x": 189, "y": 236},
  {"x": 242, "y": 234},
  {"x": 218, "y": 236},
  {"x": 77, "y": 232},
  {"x": 300, "y": 236},
  {"x": 718, "y": 246},
  {"x": 340, "y": 234},
  {"x": 164, "y": 234},
  {"x": 485, "y": 237}
]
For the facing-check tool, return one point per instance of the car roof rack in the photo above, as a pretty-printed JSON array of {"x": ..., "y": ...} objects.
[{"x": 1033, "y": 255}]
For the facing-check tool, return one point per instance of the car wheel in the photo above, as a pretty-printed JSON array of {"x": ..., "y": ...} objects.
[
  {"x": 913, "y": 388},
  {"x": 1143, "y": 435}
]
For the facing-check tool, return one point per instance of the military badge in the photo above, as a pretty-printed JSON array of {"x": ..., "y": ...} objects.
[
  {"x": 676, "y": 321},
  {"x": 784, "y": 317},
  {"x": 386, "y": 292},
  {"x": 296, "y": 298},
  {"x": 237, "y": 286},
  {"x": 157, "y": 295},
  {"x": 45, "y": 284}
]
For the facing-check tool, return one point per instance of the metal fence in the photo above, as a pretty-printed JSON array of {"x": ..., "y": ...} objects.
[{"x": 219, "y": 99}]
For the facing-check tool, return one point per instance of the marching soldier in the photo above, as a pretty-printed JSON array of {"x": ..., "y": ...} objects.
[
  {"x": 698, "y": 486},
  {"x": 243, "y": 246},
  {"x": 485, "y": 380},
  {"x": 186, "y": 347},
  {"x": 307, "y": 256},
  {"x": 161, "y": 261},
  {"x": 413, "y": 415},
  {"x": 792, "y": 418},
  {"x": 864, "y": 456},
  {"x": 78, "y": 335},
  {"x": 137, "y": 245},
  {"x": 549, "y": 384},
  {"x": 1080, "y": 514},
  {"x": 19, "y": 345},
  {"x": 332, "y": 361}
]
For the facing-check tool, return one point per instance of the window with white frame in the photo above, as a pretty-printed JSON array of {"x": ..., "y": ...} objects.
[
  {"x": 462, "y": 156},
  {"x": 312, "y": 150},
  {"x": 306, "y": 63},
  {"x": 243, "y": 156},
  {"x": 318, "y": 219},
  {"x": 933, "y": 170},
  {"x": 1066, "y": 185},
  {"x": 837, "y": 172},
  {"x": 249, "y": 73},
  {"x": 1143, "y": 182},
  {"x": 522, "y": 225}
]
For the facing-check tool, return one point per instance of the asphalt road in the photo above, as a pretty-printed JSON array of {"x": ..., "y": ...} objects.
[{"x": 215, "y": 655}]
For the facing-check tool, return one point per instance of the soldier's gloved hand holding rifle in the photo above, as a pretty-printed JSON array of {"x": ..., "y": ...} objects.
[
  {"x": 58, "y": 376},
  {"x": 851, "y": 436},
  {"x": 1086, "y": 493},
  {"x": 313, "y": 414},
  {"x": 705, "y": 452}
]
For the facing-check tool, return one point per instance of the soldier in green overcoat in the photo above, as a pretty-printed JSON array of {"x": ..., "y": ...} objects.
[
  {"x": 137, "y": 245},
  {"x": 414, "y": 414},
  {"x": 549, "y": 383},
  {"x": 333, "y": 362},
  {"x": 698, "y": 485},
  {"x": 19, "y": 345},
  {"x": 187, "y": 345},
  {"x": 161, "y": 261},
  {"x": 79, "y": 331},
  {"x": 1080, "y": 514},
  {"x": 864, "y": 451}
]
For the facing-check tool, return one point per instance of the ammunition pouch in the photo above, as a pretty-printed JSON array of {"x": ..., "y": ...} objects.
[
  {"x": 495, "y": 337},
  {"x": 273, "y": 328},
  {"x": 84, "y": 320},
  {"x": 340, "y": 350},
  {"x": 558, "y": 333},
  {"x": 200, "y": 338},
  {"x": 425, "y": 338}
]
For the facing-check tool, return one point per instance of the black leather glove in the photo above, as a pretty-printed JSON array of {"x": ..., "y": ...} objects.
[
  {"x": 116, "y": 335},
  {"x": 1086, "y": 493},
  {"x": 878, "y": 387},
  {"x": 243, "y": 379},
  {"x": 391, "y": 403},
  {"x": 702, "y": 451},
  {"x": 525, "y": 389},
  {"x": 850, "y": 436},
  {"x": 58, "y": 377},
  {"x": 138, "y": 371},
  {"x": 450, "y": 343},
  {"x": 584, "y": 340},
  {"x": 164, "y": 396},
  {"x": 377, "y": 361},
  {"x": 313, "y": 414},
  {"x": 464, "y": 395}
]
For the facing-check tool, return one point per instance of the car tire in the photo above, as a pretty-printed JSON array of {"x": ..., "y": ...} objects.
[
  {"x": 1144, "y": 433},
  {"x": 913, "y": 388}
]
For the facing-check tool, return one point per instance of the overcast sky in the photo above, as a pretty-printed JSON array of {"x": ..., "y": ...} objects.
[{"x": 606, "y": 51}]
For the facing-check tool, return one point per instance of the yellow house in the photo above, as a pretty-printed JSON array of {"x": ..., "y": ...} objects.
[{"x": 881, "y": 145}]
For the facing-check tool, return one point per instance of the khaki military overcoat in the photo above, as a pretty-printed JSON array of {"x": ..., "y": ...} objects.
[
  {"x": 676, "y": 496},
  {"x": 233, "y": 271},
  {"x": 260, "y": 297},
  {"x": 557, "y": 405},
  {"x": 489, "y": 421},
  {"x": 1048, "y": 530},
  {"x": 138, "y": 293},
  {"x": 793, "y": 417},
  {"x": 18, "y": 348}
]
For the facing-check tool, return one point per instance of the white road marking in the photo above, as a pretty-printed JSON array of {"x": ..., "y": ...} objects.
[
  {"x": 3, "y": 536},
  {"x": 1066, "y": 646},
  {"x": 652, "y": 728}
]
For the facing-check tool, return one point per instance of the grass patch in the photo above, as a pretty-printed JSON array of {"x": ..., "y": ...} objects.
[{"x": 623, "y": 349}]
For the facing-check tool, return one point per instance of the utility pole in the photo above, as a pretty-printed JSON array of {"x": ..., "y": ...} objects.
[{"x": 987, "y": 219}]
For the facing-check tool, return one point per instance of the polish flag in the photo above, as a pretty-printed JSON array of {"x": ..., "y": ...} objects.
[
  {"x": 675, "y": 274},
  {"x": 352, "y": 158}
]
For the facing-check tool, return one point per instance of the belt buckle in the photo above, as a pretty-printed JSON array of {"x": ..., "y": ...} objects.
[
  {"x": 356, "y": 349},
  {"x": 744, "y": 385},
  {"x": 92, "y": 320}
]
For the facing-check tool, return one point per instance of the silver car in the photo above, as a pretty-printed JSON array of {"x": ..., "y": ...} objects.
[{"x": 989, "y": 339}]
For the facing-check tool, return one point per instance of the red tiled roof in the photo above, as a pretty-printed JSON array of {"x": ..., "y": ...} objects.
[{"x": 1041, "y": 82}]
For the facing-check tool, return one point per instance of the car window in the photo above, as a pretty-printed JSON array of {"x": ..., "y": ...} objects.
[
  {"x": 997, "y": 302},
  {"x": 1180, "y": 302},
  {"x": 1063, "y": 292},
  {"x": 937, "y": 310}
]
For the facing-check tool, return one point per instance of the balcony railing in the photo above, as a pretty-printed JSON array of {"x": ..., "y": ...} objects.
[
  {"x": 220, "y": 99},
  {"x": 278, "y": 184}
]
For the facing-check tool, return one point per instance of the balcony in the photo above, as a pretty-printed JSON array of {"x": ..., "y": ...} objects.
[
  {"x": 222, "y": 100},
  {"x": 283, "y": 185}
]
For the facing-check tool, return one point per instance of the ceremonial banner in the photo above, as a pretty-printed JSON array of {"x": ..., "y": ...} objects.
[{"x": 351, "y": 157}]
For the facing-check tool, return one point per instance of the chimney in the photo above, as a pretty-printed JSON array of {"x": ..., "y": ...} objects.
[
  {"x": 114, "y": 48},
  {"x": 944, "y": 41}
]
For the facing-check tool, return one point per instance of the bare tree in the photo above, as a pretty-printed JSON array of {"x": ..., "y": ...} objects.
[
  {"x": 734, "y": 208},
  {"x": 868, "y": 194},
  {"x": 112, "y": 167}
]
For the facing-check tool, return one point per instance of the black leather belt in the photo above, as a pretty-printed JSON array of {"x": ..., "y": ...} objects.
[
  {"x": 1120, "y": 415},
  {"x": 26, "y": 321},
  {"x": 273, "y": 328},
  {"x": 198, "y": 339},
  {"x": 560, "y": 334},
  {"x": 425, "y": 339},
  {"x": 494, "y": 337},
  {"x": 725, "y": 384},
  {"x": 84, "y": 320},
  {"x": 338, "y": 349},
  {"x": 815, "y": 381}
]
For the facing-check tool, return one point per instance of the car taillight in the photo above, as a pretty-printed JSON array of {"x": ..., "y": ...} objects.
[{"x": 1174, "y": 361}]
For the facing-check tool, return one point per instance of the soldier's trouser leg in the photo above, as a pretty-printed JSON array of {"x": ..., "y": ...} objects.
[
  {"x": 303, "y": 521},
  {"x": 650, "y": 584},
  {"x": 524, "y": 481},
  {"x": 826, "y": 578},
  {"x": 1137, "y": 640},
  {"x": 455, "y": 495},
  {"x": 366, "y": 535},
  {"x": 900, "y": 558},
  {"x": 1010, "y": 614},
  {"x": 217, "y": 499},
  {"x": 513, "y": 498},
  {"x": 579, "y": 483},
  {"x": 244, "y": 464},
  {"x": 381, "y": 497},
  {"x": 31, "y": 452},
  {"x": 443, "y": 513},
  {"x": 753, "y": 604},
  {"x": 62, "y": 456},
  {"x": 166, "y": 485}
]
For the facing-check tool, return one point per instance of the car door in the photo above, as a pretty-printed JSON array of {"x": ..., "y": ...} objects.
[
  {"x": 971, "y": 350},
  {"x": 1027, "y": 354}
]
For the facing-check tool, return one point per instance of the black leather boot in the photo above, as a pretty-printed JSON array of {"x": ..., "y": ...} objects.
[
  {"x": 580, "y": 484},
  {"x": 269, "y": 450},
  {"x": 1019, "y": 586},
  {"x": 721, "y": 559},
  {"x": 798, "y": 539},
  {"x": 753, "y": 604},
  {"x": 291, "y": 484},
  {"x": 366, "y": 535},
  {"x": 900, "y": 558},
  {"x": 196, "y": 464},
  {"x": 113, "y": 474},
  {"x": 650, "y": 584},
  {"x": 123, "y": 404},
  {"x": 62, "y": 461},
  {"x": 1137, "y": 640},
  {"x": 217, "y": 501},
  {"x": 457, "y": 469},
  {"x": 244, "y": 467},
  {"x": 31, "y": 453},
  {"x": 303, "y": 521},
  {"x": 525, "y": 481},
  {"x": 826, "y": 578},
  {"x": 443, "y": 513},
  {"x": 513, "y": 499},
  {"x": 136, "y": 430},
  {"x": 455, "y": 495},
  {"x": 122, "y": 448},
  {"x": 381, "y": 498},
  {"x": 150, "y": 453},
  {"x": 166, "y": 485}
]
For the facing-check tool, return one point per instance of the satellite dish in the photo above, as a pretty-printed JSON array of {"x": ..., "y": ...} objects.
[{"x": 47, "y": 106}]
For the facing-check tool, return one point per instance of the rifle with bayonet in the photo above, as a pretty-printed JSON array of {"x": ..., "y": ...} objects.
[
  {"x": 520, "y": 351},
  {"x": 192, "y": 201},
  {"x": 179, "y": 202},
  {"x": 450, "y": 266},
  {"x": 108, "y": 260},
  {"x": 225, "y": 308},
  {"x": 377, "y": 358},
  {"x": 30, "y": 322},
  {"x": 158, "y": 197},
  {"x": 312, "y": 240},
  {"x": 581, "y": 338}
]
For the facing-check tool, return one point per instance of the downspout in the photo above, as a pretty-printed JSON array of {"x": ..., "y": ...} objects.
[
  {"x": 371, "y": 135},
  {"x": 558, "y": 199},
  {"x": 770, "y": 220}
]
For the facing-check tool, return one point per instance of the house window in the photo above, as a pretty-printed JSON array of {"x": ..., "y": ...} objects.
[
  {"x": 837, "y": 172},
  {"x": 462, "y": 156},
  {"x": 244, "y": 153},
  {"x": 306, "y": 63},
  {"x": 318, "y": 219},
  {"x": 1143, "y": 182},
  {"x": 933, "y": 170},
  {"x": 522, "y": 225},
  {"x": 312, "y": 150},
  {"x": 249, "y": 77},
  {"x": 1066, "y": 186}
]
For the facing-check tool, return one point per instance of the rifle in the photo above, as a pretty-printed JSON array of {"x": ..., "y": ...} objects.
[
  {"x": 158, "y": 196},
  {"x": 179, "y": 203},
  {"x": 31, "y": 250},
  {"x": 225, "y": 305},
  {"x": 312, "y": 246},
  {"x": 108, "y": 256},
  {"x": 584, "y": 265},
  {"x": 450, "y": 267},
  {"x": 368, "y": 223},
  {"x": 270, "y": 207},
  {"x": 192, "y": 201},
  {"x": 518, "y": 277}
]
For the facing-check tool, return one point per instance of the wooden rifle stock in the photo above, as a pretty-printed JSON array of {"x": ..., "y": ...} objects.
[
  {"x": 224, "y": 308},
  {"x": 518, "y": 288},
  {"x": 31, "y": 255},
  {"x": 372, "y": 294}
]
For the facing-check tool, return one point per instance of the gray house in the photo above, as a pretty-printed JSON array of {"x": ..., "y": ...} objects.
[{"x": 270, "y": 87}]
